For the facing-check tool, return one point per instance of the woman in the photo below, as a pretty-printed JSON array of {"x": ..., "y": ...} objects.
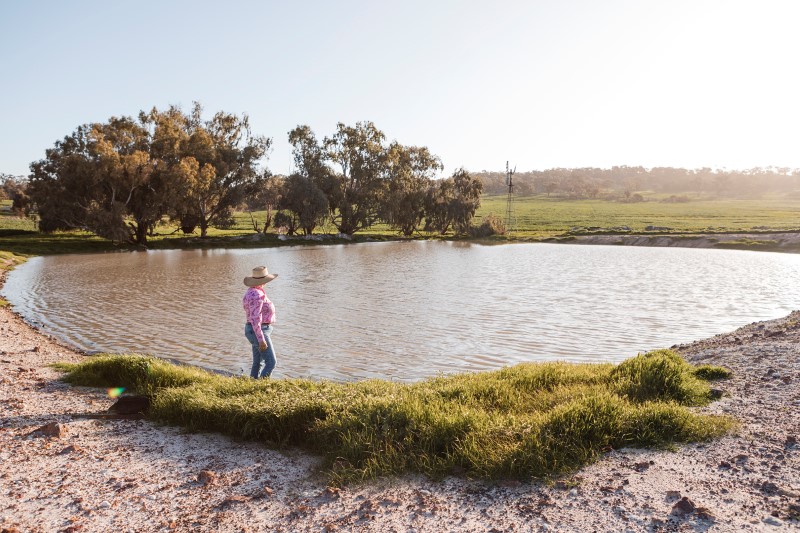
[{"x": 260, "y": 317}]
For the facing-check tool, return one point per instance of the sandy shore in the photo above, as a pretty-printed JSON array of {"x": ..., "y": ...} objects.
[{"x": 132, "y": 475}]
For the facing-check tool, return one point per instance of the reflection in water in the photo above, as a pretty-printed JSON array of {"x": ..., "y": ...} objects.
[{"x": 405, "y": 311}]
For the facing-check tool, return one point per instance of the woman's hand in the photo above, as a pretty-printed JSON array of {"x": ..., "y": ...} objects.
[{"x": 262, "y": 346}]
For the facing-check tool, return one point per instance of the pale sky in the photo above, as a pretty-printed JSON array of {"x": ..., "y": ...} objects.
[{"x": 562, "y": 83}]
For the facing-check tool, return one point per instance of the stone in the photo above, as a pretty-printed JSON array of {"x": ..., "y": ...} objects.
[
  {"x": 331, "y": 492},
  {"x": 207, "y": 477},
  {"x": 130, "y": 405},
  {"x": 673, "y": 494},
  {"x": 683, "y": 507},
  {"x": 232, "y": 500},
  {"x": 703, "y": 513},
  {"x": 70, "y": 449},
  {"x": 769, "y": 487},
  {"x": 51, "y": 430}
]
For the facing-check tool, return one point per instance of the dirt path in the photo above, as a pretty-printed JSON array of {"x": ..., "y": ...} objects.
[{"x": 123, "y": 475}]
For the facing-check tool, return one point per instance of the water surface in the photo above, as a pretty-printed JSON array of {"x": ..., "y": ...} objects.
[{"x": 405, "y": 310}]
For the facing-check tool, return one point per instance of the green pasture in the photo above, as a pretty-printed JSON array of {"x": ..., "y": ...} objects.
[
  {"x": 542, "y": 216},
  {"x": 527, "y": 421}
]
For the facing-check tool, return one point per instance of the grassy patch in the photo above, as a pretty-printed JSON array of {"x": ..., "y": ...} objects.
[
  {"x": 8, "y": 260},
  {"x": 526, "y": 421},
  {"x": 539, "y": 216}
]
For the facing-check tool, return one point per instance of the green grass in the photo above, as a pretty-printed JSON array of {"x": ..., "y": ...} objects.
[
  {"x": 526, "y": 421},
  {"x": 542, "y": 216}
]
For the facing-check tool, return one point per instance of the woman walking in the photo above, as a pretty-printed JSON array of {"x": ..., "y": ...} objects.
[{"x": 260, "y": 313}]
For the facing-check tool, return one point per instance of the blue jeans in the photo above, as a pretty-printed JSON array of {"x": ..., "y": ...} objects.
[{"x": 263, "y": 362}]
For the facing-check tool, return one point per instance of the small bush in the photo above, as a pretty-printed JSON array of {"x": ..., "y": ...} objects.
[
  {"x": 491, "y": 225},
  {"x": 711, "y": 373},
  {"x": 660, "y": 375}
]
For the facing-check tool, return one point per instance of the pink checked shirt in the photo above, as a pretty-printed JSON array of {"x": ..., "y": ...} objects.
[{"x": 259, "y": 310}]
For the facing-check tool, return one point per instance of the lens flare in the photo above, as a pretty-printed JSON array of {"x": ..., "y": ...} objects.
[{"x": 116, "y": 391}]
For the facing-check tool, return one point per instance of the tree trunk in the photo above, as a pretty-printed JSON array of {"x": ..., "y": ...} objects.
[{"x": 141, "y": 234}]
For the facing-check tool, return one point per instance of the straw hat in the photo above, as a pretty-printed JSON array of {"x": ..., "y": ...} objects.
[{"x": 260, "y": 277}]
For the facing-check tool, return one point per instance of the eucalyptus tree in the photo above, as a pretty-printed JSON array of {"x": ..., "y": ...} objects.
[
  {"x": 15, "y": 188},
  {"x": 467, "y": 200},
  {"x": 410, "y": 171},
  {"x": 354, "y": 194},
  {"x": 119, "y": 178},
  {"x": 452, "y": 202},
  {"x": 304, "y": 191},
  {"x": 305, "y": 202},
  {"x": 217, "y": 167},
  {"x": 100, "y": 178},
  {"x": 267, "y": 197}
]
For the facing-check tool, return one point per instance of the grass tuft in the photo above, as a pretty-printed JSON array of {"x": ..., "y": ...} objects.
[{"x": 526, "y": 421}]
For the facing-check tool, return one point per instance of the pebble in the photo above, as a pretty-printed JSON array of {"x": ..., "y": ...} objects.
[
  {"x": 104, "y": 505},
  {"x": 772, "y": 521}
]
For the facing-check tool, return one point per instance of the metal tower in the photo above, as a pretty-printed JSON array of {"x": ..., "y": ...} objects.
[{"x": 510, "y": 218}]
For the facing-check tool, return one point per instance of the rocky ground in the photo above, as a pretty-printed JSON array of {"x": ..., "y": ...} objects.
[{"x": 60, "y": 471}]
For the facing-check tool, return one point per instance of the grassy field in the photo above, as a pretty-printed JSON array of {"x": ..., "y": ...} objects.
[
  {"x": 536, "y": 217},
  {"x": 526, "y": 421},
  {"x": 542, "y": 216}
]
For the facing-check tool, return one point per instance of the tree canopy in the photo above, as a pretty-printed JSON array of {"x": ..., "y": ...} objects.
[{"x": 119, "y": 178}]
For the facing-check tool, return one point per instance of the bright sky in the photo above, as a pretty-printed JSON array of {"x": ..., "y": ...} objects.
[{"x": 561, "y": 83}]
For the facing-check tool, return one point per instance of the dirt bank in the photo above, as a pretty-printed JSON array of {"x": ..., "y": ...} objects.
[
  {"x": 773, "y": 242},
  {"x": 131, "y": 475}
]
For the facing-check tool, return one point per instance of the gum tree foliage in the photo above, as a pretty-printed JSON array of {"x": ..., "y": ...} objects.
[
  {"x": 410, "y": 171},
  {"x": 453, "y": 202},
  {"x": 354, "y": 194},
  {"x": 305, "y": 204},
  {"x": 100, "y": 178},
  {"x": 119, "y": 178},
  {"x": 303, "y": 195},
  {"x": 267, "y": 196},
  {"x": 15, "y": 188},
  {"x": 215, "y": 163}
]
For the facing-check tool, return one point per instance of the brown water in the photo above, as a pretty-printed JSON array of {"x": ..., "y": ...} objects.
[{"x": 405, "y": 311}]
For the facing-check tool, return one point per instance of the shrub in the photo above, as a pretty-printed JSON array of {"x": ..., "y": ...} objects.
[{"x": 491, "y": 225}]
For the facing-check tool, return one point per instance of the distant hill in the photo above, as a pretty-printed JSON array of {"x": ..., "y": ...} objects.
[{"x": 618, "y": 182}]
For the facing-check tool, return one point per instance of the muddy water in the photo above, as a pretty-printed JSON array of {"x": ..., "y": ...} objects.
[{"x": 405, "y": 311}]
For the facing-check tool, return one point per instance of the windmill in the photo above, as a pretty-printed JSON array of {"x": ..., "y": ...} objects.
[{"x": 510, "y": 218}]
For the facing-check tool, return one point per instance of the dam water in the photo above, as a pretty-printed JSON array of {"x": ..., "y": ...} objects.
[{"x": 404, "y": 310}]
